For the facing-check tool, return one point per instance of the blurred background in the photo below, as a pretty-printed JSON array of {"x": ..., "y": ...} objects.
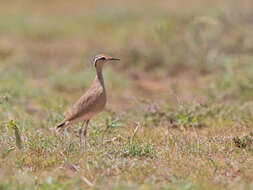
[{"x": 169, "y": 49}]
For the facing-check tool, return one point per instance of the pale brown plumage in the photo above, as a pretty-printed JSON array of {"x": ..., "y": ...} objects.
[{"x": 91, "y": 103}]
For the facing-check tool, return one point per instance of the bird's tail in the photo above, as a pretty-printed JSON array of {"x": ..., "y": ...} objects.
[{"x": 60, "y": 125}]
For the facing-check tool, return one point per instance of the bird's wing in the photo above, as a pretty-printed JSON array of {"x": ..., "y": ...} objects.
[{"x": 83, "y": 105}]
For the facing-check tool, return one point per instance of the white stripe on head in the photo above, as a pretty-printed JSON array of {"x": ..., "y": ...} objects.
[{"x": 97, "y": 57}]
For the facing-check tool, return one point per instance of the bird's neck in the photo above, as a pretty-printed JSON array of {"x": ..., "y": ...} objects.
[{"x": 99, "y": 76}]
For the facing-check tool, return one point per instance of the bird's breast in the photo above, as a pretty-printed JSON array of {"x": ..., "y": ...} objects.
[{"x": 101, "y": 101}]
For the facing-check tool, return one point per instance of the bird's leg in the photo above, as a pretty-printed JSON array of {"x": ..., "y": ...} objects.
[
  {"x": 80, "y": 137},
  {"x": 85, "y": 136}
]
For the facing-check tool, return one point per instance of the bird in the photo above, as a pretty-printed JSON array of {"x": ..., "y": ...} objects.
[{"x": 91, "y": 103}]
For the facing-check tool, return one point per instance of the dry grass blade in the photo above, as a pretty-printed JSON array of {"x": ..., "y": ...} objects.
[
  {"x": 135, "y": 131},
  {"x": 87, "y": 181}
]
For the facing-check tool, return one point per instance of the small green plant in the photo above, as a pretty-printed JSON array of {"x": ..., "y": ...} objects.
[
  {"x": 112, "y": 122},
  {"x": 138, "y": 149},
  {"x": 133, "y": 147},
  {"x": 244, "y": 142},
  {"x": 187, "y": 116},
  {"x": 18, "y": 139}
]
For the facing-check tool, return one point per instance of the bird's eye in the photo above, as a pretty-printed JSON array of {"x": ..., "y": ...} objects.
[{"x": 102, "y": 58}]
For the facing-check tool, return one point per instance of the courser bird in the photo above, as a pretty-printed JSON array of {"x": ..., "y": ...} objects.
[{"x": 91, "y": 103}]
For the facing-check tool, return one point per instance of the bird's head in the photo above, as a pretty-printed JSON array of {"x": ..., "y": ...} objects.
[{"x": 101, "y": 59}]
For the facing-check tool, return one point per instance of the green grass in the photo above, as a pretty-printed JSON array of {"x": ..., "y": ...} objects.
[{"x": 179, "y": 111}]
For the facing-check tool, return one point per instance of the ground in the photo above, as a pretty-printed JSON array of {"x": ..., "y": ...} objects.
[{"x": 179, "y": 113}]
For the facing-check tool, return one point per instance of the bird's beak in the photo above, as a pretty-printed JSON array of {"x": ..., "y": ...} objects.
[{"x": 114, "y": 59}]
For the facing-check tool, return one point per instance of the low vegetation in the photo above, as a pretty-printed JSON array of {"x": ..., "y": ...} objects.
[{"x": 179, "y": 112}]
